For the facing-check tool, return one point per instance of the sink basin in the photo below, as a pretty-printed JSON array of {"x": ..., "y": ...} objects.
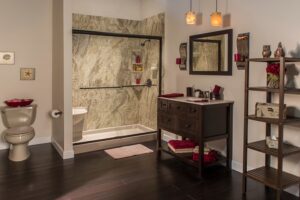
[{"x": 196, "y": 99}]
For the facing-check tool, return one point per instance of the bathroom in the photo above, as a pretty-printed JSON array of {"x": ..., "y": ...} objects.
[{"x": 116, "y": 78}]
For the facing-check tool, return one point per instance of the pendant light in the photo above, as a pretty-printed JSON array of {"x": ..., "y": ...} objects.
[
  {"x": 216, "y": 17},
  {"x": 190, "y": 16}
]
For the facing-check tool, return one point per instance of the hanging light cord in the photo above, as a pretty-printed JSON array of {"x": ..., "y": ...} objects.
[
  {"x": 191, "y": 5},
  {"x": 216, "y": 5}
]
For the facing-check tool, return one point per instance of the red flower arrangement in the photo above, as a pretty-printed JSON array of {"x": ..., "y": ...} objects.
[
  {"x": 273, "y": 71},
  {"x": 273, "y": 68}
]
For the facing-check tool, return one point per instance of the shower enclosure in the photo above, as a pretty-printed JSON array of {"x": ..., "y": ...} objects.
[{"x": 117, "y": 77}]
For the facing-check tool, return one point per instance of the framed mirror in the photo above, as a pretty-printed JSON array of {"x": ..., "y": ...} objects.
[{"x": 211, "y": 53}]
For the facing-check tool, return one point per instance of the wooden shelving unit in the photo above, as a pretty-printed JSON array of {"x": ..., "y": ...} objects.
[{"x": 267, "y": 175}]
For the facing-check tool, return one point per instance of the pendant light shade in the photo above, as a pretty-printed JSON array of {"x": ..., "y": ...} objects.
[
  {"x": 190, "y": 17},
  {"x": 216, "y": 17}
]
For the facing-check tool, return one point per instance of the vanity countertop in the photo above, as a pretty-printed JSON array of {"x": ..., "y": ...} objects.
[{"x": 185, "y": 100}]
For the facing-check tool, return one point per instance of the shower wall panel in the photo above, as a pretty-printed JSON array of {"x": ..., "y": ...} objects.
[{"x": 107, "y": 61}]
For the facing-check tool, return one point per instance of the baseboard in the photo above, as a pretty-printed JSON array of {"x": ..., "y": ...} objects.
[
  {"x": 34, "y": 141},
  {"x": 64, "y": 154}
]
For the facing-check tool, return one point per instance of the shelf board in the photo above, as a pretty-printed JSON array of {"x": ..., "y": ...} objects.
[
  {"x": 187, "y": 158},
  {"x": 262, "y": 147},
  {"x": 266, "y": 89},
  {"x": 286, "y": 59},
  {"x": 268, "y": 176},
  {"x": 288, "y": 120}
]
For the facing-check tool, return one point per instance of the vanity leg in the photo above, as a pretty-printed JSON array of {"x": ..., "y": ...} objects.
[
  {"x": 229, "y": 138},
  {"x": 158, "y": 145},
  {"x": 201, "y": 160}
]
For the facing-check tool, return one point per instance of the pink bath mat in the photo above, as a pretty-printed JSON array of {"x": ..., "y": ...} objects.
[{"x": 128, "y": 151}]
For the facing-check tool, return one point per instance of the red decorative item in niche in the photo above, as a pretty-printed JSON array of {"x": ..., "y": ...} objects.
[
  {"x": 18, "y": 102},
  {"x": 138, "y": 59},
  {"x": 138, "y": 81},
  {"x": 178, "y": 61}
]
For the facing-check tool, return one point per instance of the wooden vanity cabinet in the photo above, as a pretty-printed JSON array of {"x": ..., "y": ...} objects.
[{"x": 201, "y": 122}]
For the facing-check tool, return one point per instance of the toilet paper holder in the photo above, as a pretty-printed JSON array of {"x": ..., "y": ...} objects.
[{"x": 56, "y": 114}]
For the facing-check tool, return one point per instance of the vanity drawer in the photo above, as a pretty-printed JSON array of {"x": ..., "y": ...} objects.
[
  {"x": 172, "y": 107},
  {"x": 178, "y": 108},
  {"x": 167, "y": 122},
  {"x": 192, "y": 110},
  {"x": 163, "y": 105},
  {"x": 188, "y": 127}
]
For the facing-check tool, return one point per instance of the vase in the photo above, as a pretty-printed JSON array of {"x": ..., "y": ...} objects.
[
  {"x": 272, "y": 81},
  {"x": 266, "y": 51},
  {"x": 279, "y": 51}
]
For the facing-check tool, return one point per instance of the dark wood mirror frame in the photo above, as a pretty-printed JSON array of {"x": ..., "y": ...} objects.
[{"x": 229, "y": 49}]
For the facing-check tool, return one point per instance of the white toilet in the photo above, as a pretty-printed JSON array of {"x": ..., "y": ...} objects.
[
  {"x": 19, "y": 132},
  {"x": 79, "y": 115}
]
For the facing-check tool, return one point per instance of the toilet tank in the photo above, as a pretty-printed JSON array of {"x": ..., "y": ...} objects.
[{"x": 20, "y": 116}]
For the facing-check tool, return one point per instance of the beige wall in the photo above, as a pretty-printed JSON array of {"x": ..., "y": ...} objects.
[
  {"x": 26, "y": 30},
  {"x": 123, "y": 9},
  {"x": 62, "y": 77},
  {"x": 268, "y": 22}
]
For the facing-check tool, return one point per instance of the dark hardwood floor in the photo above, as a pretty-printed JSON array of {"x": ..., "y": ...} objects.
[{"x": 98, "y": 176}]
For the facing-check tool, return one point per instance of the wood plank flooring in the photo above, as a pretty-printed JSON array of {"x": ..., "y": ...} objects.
[{"x": 96, "y": 176}]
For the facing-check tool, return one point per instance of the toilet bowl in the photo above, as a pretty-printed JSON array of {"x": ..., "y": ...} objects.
[
  {"x": 19, "y": 132},
  {"x": 79, "y": 114}
]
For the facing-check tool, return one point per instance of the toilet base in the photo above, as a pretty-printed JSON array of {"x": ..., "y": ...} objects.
[{"x": 19, "y": 152}]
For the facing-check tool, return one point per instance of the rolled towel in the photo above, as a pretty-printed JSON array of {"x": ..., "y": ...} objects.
[{"x": 172, "y": 95}]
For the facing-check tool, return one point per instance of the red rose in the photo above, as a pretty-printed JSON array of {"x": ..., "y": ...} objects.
[{"x": 273, "y": 68}]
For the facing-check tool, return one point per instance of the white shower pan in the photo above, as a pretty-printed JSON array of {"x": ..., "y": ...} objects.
[{"x": 114, "y": 132}]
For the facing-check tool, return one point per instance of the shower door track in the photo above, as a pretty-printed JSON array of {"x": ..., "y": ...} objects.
[
  {"x": 126, "y": 35},
  {"x": 116, "y": 138}
]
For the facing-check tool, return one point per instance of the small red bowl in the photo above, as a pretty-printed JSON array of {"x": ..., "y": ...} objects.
[
  {"x": 26, "y": 102},
  {"x": 13, "y": 102},
  {"x": 18, "y": 102}
]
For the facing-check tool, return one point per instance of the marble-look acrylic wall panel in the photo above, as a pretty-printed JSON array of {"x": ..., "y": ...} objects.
[{"x": 107, "y": 61}]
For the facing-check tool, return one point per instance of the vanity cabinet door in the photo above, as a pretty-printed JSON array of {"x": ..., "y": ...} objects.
[{"x": 215, "y": 120}]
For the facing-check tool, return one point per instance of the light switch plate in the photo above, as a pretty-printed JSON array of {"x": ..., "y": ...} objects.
[
  {"x": 7, "y": 58},
  {"x": 27, "y": 74}
]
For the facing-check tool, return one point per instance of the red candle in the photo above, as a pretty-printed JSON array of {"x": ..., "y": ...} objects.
[
  {"x": 237, "y": 57},
  {"x": 138, "y": 81}
]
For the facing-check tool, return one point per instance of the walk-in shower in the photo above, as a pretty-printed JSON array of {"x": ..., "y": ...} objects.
[{"x": 118, "y": 78}]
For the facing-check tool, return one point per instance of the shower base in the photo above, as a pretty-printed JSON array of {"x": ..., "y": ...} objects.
[{"x": 114, "y": 133}]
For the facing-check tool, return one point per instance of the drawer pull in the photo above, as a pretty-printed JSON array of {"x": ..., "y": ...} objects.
[
  {"x": 169, "y": 120},
  {"x": 194, "y": 110},
  {"x": 178, "y": 107}
]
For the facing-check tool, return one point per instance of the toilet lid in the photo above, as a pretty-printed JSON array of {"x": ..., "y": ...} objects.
[{"x": 19, "y": 130}]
